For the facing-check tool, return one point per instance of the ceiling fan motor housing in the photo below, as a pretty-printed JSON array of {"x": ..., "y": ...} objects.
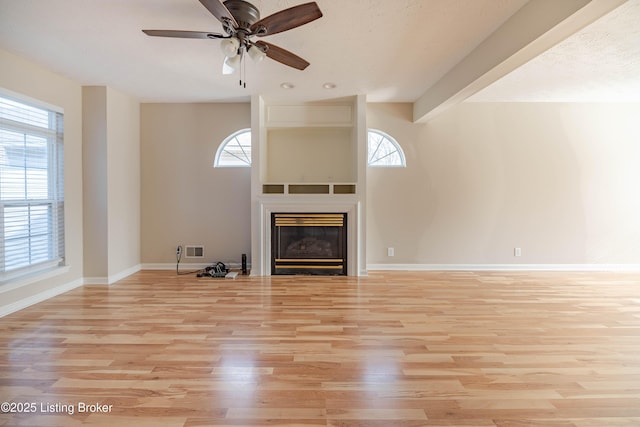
[{"x": 244, "y": 13}]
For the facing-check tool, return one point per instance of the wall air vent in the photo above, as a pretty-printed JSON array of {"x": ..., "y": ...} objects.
[{"x": 194, "y": 251}]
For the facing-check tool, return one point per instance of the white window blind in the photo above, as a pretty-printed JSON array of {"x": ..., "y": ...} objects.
[{"x": 31, "y": 188}]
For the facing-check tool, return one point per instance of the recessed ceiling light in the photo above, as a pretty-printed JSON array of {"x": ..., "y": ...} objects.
[
  {"x": 329, "y": 85},
  {"x": 287, "y": 85}
]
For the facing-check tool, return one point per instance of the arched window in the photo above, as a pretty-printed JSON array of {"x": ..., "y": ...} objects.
[
  {"x": 235, "y": 150},
  {"x": 383, "y": 150}
]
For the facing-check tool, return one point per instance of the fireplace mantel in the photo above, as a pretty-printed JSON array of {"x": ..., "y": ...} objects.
[{"x": 317, "y": 163}]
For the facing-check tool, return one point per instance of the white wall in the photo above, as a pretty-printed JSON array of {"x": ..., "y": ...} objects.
[
  {"x": 185, "y": 201},
  {"x": 95, "y": 179},
  {"x": 29, "y": 79},
  {"x": 123, "y": 113},
  {"x": 320, "y": 155},
  {"x": 557, "y": 180},
  {"x": 111, "y": 133}
]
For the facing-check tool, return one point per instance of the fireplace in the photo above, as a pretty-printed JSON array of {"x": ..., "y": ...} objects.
[{"x": 309, "y": 243}]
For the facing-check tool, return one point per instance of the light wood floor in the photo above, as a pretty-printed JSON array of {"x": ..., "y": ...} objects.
[{"x": 391, "y": 349}]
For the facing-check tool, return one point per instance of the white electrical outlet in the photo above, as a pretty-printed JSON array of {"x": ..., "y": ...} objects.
[
  {"x": 390, "y": 252},
  {"x": 517, "y": 252}
]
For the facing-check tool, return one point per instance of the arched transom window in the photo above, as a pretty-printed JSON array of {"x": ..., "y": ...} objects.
[
  {"x": 383, "y": 150},
  {"x": 235, "y": 150}
]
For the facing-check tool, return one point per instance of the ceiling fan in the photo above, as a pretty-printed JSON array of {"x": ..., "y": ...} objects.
[{"x": 241, "y": 22}]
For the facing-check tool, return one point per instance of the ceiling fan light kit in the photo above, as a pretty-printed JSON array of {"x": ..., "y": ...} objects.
[
  {"x": 256, "y": 53},
  {"x": 229, "y": 47},
  {"x": 231, "y": 64},
  {"x": 241, "y": 23}
]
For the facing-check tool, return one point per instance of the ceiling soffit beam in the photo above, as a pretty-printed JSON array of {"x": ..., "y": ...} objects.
[{"x": 536, "y": 27}]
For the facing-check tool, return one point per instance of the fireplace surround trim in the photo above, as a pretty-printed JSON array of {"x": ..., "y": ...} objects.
[{"x": 348, "y": 205}]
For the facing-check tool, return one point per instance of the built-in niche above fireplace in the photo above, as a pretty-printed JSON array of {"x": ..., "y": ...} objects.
[{"x": 309, "y": 243}]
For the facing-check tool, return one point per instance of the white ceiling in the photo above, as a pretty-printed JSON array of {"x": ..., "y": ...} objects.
[
  {"x": 600, "y": 63},
  {"x": 391, "y": 50}
]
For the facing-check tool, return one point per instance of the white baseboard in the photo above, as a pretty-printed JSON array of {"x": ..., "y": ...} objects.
[
  {"x": 505, "y": 267},
  {"x": 434, "y": 267},
  {"x": 113, "y": 278},
  {"x": 95, "y": 281},
  {"x": 42, "y": 296},
  {"x": 189, "y": 266},
  {"x": 125, "y": 273},
  {"x": 169, "y": 266}
]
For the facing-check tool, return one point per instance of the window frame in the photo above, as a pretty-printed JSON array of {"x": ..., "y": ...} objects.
[
  {"x": 223, "y": 145},
  {"x": 390, "y": 140},
  {"x": 51, "y": 134}
]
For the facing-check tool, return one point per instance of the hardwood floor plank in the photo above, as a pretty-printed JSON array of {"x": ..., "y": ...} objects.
[{"x": 395, "y": 348}]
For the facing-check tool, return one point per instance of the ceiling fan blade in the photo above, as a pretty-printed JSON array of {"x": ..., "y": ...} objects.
[
  {"x": 220, "y": 11},
  {"x": 287, "y": 19},
  {"x": 183, "y": 34},
  {"x": 283, "y": 56}
]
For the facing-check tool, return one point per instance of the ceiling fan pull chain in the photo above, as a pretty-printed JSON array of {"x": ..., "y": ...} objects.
[{"x": 243, "y": 71}]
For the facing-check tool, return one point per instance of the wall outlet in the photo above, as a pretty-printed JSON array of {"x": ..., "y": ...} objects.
[
  {"x": 391, "y": 252},
  {"x": 517, "y": 252}
]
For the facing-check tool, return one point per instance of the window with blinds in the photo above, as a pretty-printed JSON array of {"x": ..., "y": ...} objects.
[{"x": 31, "y": 188}]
